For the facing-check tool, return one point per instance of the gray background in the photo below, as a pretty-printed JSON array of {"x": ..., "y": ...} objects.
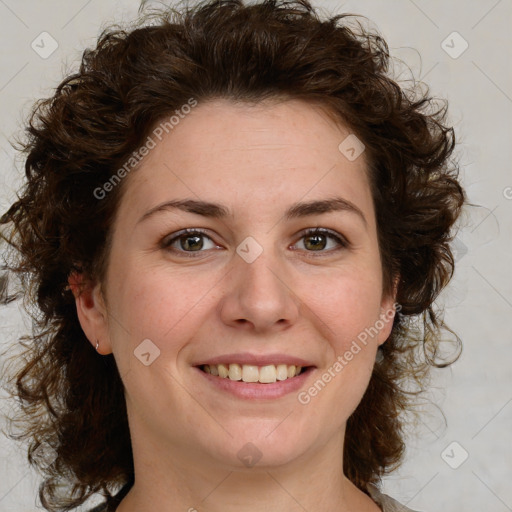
[{"x": 475, "y": 394}]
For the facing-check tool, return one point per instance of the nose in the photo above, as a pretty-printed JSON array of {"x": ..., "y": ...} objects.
[{"x": 259, "y": 296}]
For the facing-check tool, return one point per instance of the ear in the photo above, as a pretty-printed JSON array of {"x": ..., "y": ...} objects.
[
  {"x": 92, "y": 312},
  {"x": 388, "y": 309}
]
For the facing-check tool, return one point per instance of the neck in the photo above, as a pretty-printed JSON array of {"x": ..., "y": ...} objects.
[{"x": 173, "y": 480}]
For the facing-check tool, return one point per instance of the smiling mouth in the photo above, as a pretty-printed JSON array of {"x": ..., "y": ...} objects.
[{"x": 254, "y": 374}]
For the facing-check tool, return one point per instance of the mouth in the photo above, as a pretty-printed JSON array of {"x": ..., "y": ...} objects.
[
  {"x": 248, "y": 373},
  {"x": 247, "y": 380}
]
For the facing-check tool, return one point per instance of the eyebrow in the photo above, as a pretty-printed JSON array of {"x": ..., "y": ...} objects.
[{"x": 295, "y": 211}]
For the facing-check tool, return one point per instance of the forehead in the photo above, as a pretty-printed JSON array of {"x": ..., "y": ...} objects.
[{"x": 269, "y": 153}]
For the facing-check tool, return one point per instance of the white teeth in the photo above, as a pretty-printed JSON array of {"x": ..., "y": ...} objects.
[
  {"x": 235, "y": 372},
  {"x": 251, "y": 373},
  {"x": 281, "y": 372},
  {"x": 268, "y": 374},
  {"x": 223, "y": 370}
]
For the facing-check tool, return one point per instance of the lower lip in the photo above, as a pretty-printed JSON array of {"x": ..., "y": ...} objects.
[{"x": 255, "y": 390}]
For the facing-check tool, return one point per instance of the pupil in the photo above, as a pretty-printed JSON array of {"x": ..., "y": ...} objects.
[
  {"x": 196, "y": 238},
  {"x": 316, "y": 244}
]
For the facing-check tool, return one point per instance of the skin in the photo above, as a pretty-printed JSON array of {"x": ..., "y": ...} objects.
[{"x": 293, "y": 299}]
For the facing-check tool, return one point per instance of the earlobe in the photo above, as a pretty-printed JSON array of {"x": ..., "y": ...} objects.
[{"x": 91, "y": 311}]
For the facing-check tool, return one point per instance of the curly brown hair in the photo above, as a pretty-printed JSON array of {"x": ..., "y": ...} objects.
[{"x": 71, "y": 399}]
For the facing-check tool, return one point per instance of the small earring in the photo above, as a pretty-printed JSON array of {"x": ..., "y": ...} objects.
[{"x": 97, "y": 345}]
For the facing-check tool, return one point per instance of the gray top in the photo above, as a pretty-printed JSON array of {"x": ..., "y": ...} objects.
[{"x": 385, "y": 502}]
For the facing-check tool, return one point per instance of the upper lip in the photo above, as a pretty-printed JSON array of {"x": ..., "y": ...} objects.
[{"x": 256, "y": 359}]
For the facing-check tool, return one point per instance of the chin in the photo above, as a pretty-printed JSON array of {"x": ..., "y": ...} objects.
[{"x": 258, "y": 447}]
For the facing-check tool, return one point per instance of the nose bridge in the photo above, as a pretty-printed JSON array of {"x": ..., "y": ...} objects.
[
  {"x": 258, "y": 293},
  {"x": 263, "y": 276}
]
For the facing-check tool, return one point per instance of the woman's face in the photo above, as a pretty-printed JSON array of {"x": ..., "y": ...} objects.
[{"x": 252, "y": 289}]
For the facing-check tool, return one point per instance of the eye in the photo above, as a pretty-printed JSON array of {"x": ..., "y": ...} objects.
[
  {"x": 316, "y": 239},
  {"x": 187, "y": 241}
]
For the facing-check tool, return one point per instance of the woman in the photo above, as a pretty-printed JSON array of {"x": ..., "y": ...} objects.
[{"x": 235, "y": 224}]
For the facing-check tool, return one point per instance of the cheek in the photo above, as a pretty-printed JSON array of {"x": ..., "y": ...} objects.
[
  {"x": 151, "y": 304},
  {"x": 348, "y": 302},
  {"x": 351, "y": 313}
]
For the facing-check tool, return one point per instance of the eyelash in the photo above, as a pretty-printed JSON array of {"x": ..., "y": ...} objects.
[{"x": 167, "y": 242}]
